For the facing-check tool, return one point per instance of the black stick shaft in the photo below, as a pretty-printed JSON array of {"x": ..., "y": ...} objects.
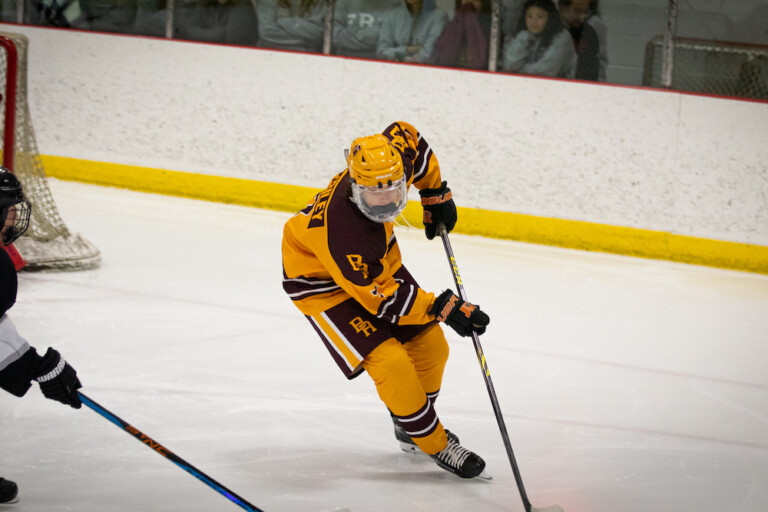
[
  {"x": 168, "y": 454},
  {"x": 486, "y": 375}
]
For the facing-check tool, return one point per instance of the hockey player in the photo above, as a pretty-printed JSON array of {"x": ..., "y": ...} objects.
[
  {"x": 20, "y": 363},
  {"x": 342, "y": 269}
]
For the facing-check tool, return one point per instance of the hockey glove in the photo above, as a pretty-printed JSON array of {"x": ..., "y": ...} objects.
[
  {"x": 58, "y": 381},
  {"x": 462, "y": 317},
  {"x": 439, "y": 208}
]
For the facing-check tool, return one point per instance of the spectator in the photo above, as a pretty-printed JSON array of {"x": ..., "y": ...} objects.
[
  {"x": 20, "y": 363},
  {"x": 596, "y": 22},
  {"x": 217, "y": 21},
  {"x": 542, "y": 46},
  {"x": 109, "y": 15},
  {"x": 292, "y": 24},
  {"x": 464, "y": 41},
  {"x": 511, "y": 11},
  {"x": 357, "y": 24},
  {"x": 151, "y": 18},
  {"x": 574, "y": 14},
  {"x": 54, "y": 13},
  {"x": 408, "y": 32}
]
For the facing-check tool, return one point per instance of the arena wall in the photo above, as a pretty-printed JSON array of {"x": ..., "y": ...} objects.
[{"x": 599, "y": 167}]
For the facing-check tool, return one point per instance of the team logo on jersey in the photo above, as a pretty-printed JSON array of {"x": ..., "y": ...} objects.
[
  {"x": 362, "y": 326},
  {"x": 398, "y": 138},
  {"x": 356, "y": 261}
]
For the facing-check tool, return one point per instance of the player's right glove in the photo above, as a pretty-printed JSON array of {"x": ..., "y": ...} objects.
[
  {"x": 439, "y": 208},
  {"x": 58, "y": 381},
  {"x": 461, "y": 316}
]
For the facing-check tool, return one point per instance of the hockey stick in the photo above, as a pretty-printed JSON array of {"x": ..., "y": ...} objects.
[
  {"x": 168, "y": 454},
  {"x": 489, "y": 386}
]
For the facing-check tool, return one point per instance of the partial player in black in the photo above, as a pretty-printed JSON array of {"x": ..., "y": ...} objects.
[{"x": 20, "y": 363}]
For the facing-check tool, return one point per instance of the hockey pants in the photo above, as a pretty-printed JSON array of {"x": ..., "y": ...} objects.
[{"x": 408, "y": 378}]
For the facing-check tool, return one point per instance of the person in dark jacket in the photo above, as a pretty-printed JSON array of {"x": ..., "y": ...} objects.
[
  {"x": 20, "y": 364},
  {"x": 574, "y": 14},
  {"x": 217, "y": 21},
  {"x": 464, "y": 41}
]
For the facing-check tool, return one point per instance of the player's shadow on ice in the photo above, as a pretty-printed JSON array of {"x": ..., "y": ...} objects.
[{"x": 317, "y": 468}]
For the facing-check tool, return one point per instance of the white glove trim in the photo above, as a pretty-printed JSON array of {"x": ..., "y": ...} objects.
[{"x": 53, "y": 373}]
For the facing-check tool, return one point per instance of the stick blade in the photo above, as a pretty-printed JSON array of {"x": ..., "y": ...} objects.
[{"x": 553, "y": 508}]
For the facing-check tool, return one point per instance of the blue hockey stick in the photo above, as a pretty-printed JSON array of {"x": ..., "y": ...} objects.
[{"x": 168, "y": 454}]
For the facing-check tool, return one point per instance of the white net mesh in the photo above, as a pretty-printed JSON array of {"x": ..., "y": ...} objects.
[
  {"x": 48, "y": 244},
  {"x": 711, "y": 67}
]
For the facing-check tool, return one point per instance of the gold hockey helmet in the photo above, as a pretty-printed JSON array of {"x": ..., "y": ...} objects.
[
  {"x": 378, "y": 182},
  {"x": 373, "y": 161}
]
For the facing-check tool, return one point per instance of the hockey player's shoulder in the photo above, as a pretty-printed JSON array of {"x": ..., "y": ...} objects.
[{"x": 404, "y": 137}]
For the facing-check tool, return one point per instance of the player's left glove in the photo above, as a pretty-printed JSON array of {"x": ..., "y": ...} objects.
[
  {"x": 438, "y": 209},
  {"x": 461, "y": 316},
  {"x": 58, "y": 381}
]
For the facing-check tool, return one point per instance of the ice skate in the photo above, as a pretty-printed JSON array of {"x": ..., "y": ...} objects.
[
  {"x": 460, "y": 461},
  {"x": 8, "y": 492}
]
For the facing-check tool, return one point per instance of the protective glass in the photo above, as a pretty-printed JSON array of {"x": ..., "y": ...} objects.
[{"x": 381, "y": 204}]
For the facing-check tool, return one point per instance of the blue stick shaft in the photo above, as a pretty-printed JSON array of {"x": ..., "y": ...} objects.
[{"x": 165, "y": 452}]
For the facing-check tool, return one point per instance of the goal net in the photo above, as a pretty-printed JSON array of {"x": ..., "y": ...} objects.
[
  {"x": 711, "y": 67},
  {"x": 47, "y": 244}
]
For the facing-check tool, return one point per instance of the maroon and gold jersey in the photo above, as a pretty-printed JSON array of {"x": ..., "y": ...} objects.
[{"x": 332, "y": 252}]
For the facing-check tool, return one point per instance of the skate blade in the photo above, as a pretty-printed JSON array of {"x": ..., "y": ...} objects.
[
  {"x": 484, "y": 476},
  {"x": 14, "y": 500},
  {"x": 411, "y": 448}
]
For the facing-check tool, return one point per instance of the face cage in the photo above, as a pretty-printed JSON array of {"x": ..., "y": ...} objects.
[
  {"x": 363, "y": 196},
  {"x": 20, "y": 224}
]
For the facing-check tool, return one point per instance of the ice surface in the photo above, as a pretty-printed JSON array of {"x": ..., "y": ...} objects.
[{"x": 626, "y": 385}]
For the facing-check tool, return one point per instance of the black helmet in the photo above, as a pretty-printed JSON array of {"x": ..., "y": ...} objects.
[{"x": 15, "y": 210}]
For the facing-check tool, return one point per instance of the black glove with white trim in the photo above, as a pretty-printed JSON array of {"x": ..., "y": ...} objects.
[
  {"x": 439, "y": 208},
  {"x": 461, "y": 316},
  {"x": 58, "y": 381}
]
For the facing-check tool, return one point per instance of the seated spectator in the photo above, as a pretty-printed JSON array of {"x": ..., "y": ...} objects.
[
  {"x": 53, "y": 13},
  {"x": 542, "y": 46},
  {"x": 464, "y": 41},
  {"x": 574, "y": 14},
  {"x": 109, "y": 15},
  {"x": 596, "y": 22},
  {"x": 217, "y": 21},
  {"x": 291, "y": 24},
  {"x": 357, "y": 24},
  {"x": 511, "y": 11},
  {"x": 408, "y": 32},
  {"x": 151, "y": 18}
]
